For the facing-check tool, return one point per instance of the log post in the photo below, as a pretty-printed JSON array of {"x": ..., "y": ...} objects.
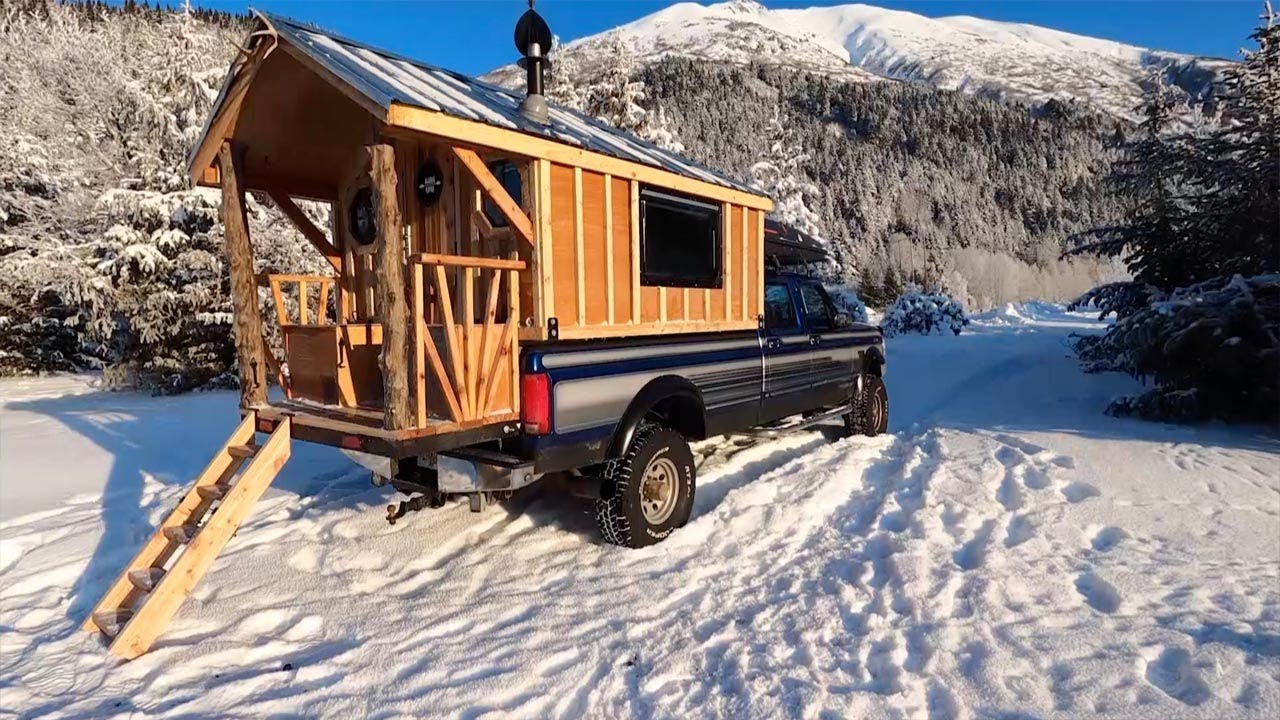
[
  {"x": 247, "y": 324},
  {"x": 392, "y": 303}
]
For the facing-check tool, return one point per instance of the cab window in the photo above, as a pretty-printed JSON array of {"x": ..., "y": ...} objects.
[
  {"x": 779, "y": 311},
  {"x": 818, "y": 311}
]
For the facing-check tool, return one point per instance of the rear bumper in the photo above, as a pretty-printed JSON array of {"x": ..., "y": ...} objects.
[{"x": 472, "y": 470}]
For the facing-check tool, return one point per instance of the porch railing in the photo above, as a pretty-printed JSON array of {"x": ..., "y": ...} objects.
[
  {"x": 473, "y": 357},
  {"x": 298, "y": 289}
]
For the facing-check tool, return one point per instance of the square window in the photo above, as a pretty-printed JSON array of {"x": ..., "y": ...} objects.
[{"x": 680, "y": 244}]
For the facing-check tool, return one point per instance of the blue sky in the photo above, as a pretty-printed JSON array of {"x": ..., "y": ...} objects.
[{"x": 474, "y": 36}]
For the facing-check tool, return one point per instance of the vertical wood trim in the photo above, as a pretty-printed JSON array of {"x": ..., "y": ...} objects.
[
  {"x": 662, "y": 304},
  {"x": 389, "y": 262},
  {"x": 304, "y": 288},
  {"x": 419, "y": 347},
  {"x": 513, "y": 322},
  {"x": 322, "y": 307},
  {"x": 635, "y": 252},
  {"x": 246, "y": 322},
  {"x": 726, "y": 220},
  {"x": 760, "y": 262},
  {"x": 343, "y": 306},
  {"x": 608, "y": 249},
  {"x": 470, "y": 366},
  {"x": 745, "y": 218},
  {"x": 545, "y": 241},
  {"x": 706, "y": 304},
  {"x": 684, "y": 305},
  {"x": 578, "y": 259}
]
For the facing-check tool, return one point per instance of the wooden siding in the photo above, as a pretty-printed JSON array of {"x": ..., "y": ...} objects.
[{"x": 596, "y": 280}]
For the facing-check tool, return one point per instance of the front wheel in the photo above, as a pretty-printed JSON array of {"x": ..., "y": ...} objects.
[
  {"x": 652, "y": 489},
  {"x": 870, "y": 414}
]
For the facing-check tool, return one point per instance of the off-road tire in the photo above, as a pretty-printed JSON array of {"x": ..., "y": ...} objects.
[
  {"x": 870, "y": 414},
  {"x": 620, "y": 517}
]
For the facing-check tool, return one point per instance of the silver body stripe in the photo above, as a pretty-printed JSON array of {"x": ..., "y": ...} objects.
[
  {"x": 591, "y": 402},
  {"x": 596, "y": 357}
]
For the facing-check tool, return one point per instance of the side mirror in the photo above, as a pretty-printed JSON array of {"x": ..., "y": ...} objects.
[{"x": 843, "y": 320}]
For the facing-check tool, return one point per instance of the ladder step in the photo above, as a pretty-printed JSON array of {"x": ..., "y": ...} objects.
[
  {"x": 242, "y": 451},
  {"x": 181, "y": 534},
  {"x": 212, "y": 492},
  {"x": 110, "y": 622},
  {"x": 146, "y": 578}
]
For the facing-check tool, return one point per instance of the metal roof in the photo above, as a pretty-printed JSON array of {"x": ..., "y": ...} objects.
[{"x": 386, "y": 77}]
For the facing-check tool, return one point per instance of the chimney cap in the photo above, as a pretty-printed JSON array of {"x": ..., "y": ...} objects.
[{"x": 531, "y": 29}]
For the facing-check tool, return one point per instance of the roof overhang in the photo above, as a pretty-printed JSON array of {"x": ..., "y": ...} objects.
[{"x": 394, "y": 117}]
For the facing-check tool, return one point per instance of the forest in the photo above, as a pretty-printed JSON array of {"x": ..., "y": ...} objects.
[{"x": 108, "y": 260}]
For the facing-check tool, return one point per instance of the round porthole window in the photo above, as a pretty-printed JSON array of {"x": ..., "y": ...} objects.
[
  {"x": 429, "y": 183},
  {"x": 362, "y": 220}
]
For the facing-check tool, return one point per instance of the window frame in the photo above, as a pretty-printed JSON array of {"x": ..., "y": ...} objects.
[
  {"x": 498, "y": 167},
  {"x": 826, "y": 302},
  {"x": 649, "y": 278},
  {"x": 797, "y": 324}
]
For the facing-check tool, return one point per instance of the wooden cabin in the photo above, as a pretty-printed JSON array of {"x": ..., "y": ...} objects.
[{"x": 461, "y": 231}]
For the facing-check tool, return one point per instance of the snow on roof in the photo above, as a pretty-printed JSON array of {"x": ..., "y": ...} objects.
[{"x": 385, "y": 78}]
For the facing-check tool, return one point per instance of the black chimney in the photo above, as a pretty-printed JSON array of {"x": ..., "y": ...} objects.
[{"x": 533, "y": 40}]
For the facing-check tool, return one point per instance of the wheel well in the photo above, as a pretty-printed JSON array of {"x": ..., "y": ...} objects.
[
  {"x": 873, "y": 364},
  {"x": 670, "y": 400},
  {"x": 682, "y": 413}
]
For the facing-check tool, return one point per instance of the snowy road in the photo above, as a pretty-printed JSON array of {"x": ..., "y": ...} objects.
[{"x": 1008, "y": 551}]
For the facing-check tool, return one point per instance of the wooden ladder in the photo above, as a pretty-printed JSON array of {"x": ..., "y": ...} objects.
[{"x": 144, "y": 598}]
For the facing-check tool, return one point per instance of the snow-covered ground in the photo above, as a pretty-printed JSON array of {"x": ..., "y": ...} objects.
[{"x": 1008, "y": 551}]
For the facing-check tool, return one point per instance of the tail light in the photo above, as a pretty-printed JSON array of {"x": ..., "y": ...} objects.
[{"x": 535, "y": 403}]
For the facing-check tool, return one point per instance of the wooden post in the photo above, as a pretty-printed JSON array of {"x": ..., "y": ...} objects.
[
  {"x": 393, "y": 305},
  {"x": 247, "y": 324}
]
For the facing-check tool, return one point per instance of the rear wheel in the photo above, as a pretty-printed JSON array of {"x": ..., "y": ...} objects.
[{"x": 652, "y": 488}]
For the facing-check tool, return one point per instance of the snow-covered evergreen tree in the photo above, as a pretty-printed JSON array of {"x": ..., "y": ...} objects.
[
  {"x": 564, "y": 88},
  {"x": 1203, "y": 245},
  {"x": 615, "y": 97},
  {"x": 780, "y": 175}
]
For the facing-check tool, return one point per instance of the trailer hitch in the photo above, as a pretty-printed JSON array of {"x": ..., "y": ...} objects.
[{"x": 395, "y": 511}]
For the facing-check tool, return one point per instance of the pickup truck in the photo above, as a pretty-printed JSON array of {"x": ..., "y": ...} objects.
[{"x": 615, "y": 418}]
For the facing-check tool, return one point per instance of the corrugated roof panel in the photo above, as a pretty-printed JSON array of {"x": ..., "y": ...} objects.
[{"x": 386, "y": 77}]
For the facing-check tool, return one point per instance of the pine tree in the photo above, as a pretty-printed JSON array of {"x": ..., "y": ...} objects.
[
  {"x": 562, "y": 89},
  {"x": 868, "y": 289},
  {"x": 892, "y": 286},
  {"x": 780, "y": 174},
  {"x": 616, "y": 98}
]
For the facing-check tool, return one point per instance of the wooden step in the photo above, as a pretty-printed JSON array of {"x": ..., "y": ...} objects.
[
  {"x": 146, "y": 578},
  {"x": 187, "y": 547},
  {"x": 213, "y": 492},
  {"x": 243, "y": 451},
  {"x": 109, "y": 622},
  {"x": 181, "y": 534}
]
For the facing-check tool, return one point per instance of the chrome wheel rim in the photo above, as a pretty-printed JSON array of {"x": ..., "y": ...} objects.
[
  {"x": 658, "y": 490},
  {"x": 876, "y": 415}
]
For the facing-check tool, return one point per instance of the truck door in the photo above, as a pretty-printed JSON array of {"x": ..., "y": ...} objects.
[
  {"x": 833, "y": 356},
  {"x": 787, "y": 354}
]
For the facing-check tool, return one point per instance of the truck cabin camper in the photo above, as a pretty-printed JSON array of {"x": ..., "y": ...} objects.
[{"x": 465, "y": 226}]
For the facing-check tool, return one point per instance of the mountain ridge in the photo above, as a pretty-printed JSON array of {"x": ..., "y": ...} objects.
[{"x": 865, "y": 43}]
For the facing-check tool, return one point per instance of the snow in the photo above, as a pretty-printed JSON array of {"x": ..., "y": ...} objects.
[
  {"x": 1008, "y": 550},
  {"x": 865, "y": 43}
]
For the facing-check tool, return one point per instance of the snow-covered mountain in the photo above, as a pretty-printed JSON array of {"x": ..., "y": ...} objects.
[{"x": 863, "y": 42}]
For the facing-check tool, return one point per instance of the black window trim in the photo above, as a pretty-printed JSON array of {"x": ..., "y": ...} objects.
[
  {"x": 650, "y": 279},
  {"x": 797, "y": 322},
  {"x": 826, "y": 303}
]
